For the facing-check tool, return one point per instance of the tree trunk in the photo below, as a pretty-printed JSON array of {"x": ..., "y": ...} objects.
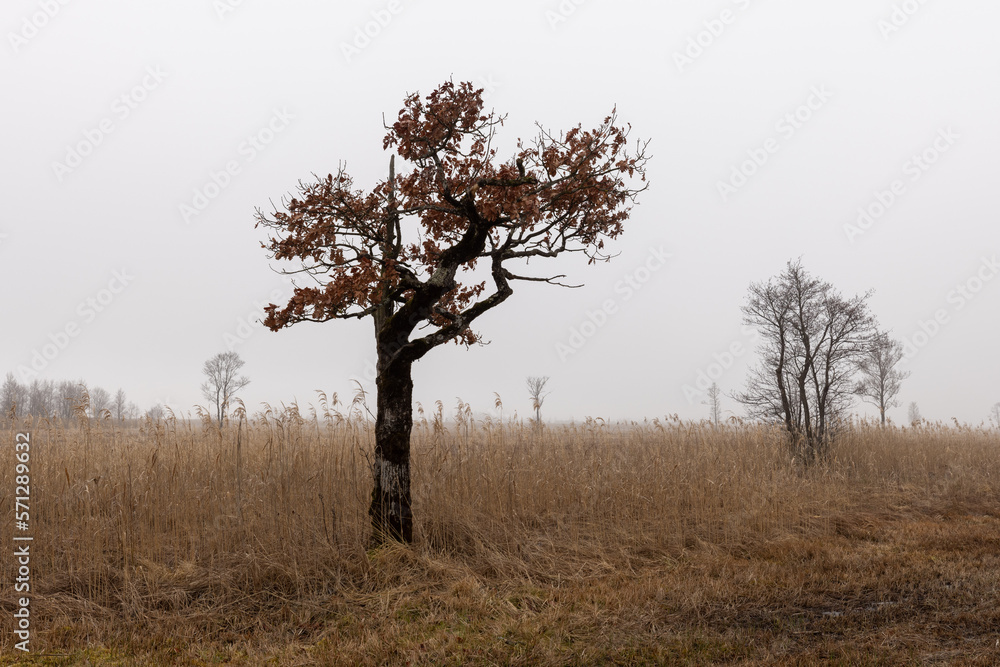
[
  {"x": 809, "y": 437},
  {"x": 390, "y": 511}
]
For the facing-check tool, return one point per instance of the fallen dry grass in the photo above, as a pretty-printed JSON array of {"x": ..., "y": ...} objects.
[{"x": 660, "y": 542}]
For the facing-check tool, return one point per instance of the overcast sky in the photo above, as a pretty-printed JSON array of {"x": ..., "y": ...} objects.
[{"x": 774, "y": 125}]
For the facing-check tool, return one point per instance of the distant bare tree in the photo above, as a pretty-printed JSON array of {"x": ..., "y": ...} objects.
[
  {"x": 13, "y": 398},
  {"x": 223, "y": 382},
  {"x": 119, "y": 405},
  {"x": 537, "y": 394},
  {"x": 811, "y": 338},
  {"x": 156, "y": 412},
  {"x": 714, "y": 403},
  {"x": 880, "y": 379},
  {"x": 67, "y": 395},
  {"x": 913, "y": 413},
  {"x": 41, "y": 398},
  {"x": 995, "y": 414},
  {"x": 100, "y": 400}
]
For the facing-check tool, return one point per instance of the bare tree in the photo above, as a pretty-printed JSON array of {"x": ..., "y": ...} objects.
[
  {"x": 880, "y": 379},
  {"x": 811, "y": 338},
  {"x": 913, "y": 413},
  {"x": 537, "y": 394},
  {"x": 119, "y": 405},
  {"x": 155, "y": 413},
  {"x": 41, "y": 398},
  {"x": 223, "y": 382},
  {"x": 100, "y": 400},
  {"x": 995, "y": 414},
  {"x": 714, "y": 403},
  {"x": 13, "y": 398},
  {"x": 67, "y": 395}
]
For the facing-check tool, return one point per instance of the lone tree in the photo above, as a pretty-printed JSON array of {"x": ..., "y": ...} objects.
[
  {"x": 223, "y": 382},
  {"x": 880, "y": 379},
  {"x": 913, "y": 414},
  {"x": 413, "y": 253},
  {"x": 714, "y": 403},
  {"x": 812, "y": 339},
  {"x": 537, "y": 393}
]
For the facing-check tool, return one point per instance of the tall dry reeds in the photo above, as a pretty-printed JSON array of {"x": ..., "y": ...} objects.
[{"x": 154, "y": 522}]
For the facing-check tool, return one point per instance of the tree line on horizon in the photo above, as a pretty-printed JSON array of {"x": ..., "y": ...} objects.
[
  {"x": 48, "y": 399},
  {"x": 52, "y": 399}
]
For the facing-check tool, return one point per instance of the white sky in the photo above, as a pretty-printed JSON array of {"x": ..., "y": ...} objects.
[{"x": 201, "y": 78}]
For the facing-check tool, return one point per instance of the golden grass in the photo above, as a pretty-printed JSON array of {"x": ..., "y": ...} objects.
[{"x": 661, "y": 542}]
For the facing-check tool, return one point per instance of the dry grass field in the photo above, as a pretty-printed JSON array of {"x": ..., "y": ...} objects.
[{"x": 653, "y": 543}]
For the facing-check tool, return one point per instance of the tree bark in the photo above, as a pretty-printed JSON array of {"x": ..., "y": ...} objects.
[
  {"x": 391, "y": 513},
  {"x": 779, "y": 373},
  {"x": 390, "y": 510}
]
